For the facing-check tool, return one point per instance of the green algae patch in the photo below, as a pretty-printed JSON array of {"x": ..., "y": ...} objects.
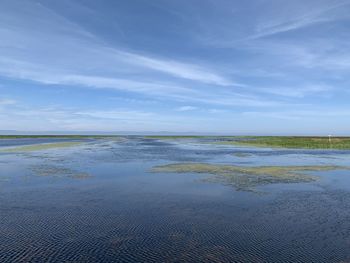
[
  {"x": 58, "y": 171},
  {"x": 248, "y": 177},
  {"x": 40, "y": 147},
  {"x": 4, "y": 179}
]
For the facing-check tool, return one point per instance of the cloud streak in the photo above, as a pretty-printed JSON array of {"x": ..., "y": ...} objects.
[
  {"x": 5, "y": 102},
  {"x": 301, "y": 15},
  {"x": 70, "y": 47},
  {"x": 178, "y": 69},
  {"x": 186, "y": 108}
]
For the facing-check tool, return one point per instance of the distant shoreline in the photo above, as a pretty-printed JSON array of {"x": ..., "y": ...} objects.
[{"x": 289, "y": 142}]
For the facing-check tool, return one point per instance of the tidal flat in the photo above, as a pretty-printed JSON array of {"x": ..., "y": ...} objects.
[{"x": 179, "y": 199}]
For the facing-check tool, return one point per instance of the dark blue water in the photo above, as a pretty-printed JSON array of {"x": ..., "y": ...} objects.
[{"x": 122, "y": 212}]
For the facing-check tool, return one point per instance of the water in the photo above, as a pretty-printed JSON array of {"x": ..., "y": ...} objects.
[{"x": 122, "y": 212}]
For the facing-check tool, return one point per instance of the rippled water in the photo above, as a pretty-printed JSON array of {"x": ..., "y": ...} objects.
[{"x": 123, "y": 213}]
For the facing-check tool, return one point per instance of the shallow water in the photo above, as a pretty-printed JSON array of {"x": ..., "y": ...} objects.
[{"x": 122, "y": 212}]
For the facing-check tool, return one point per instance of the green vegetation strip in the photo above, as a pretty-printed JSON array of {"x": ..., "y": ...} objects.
[
  {"x": 40, "y": 147},
  {"x": 342, "y": 143},
  {"x": 246, "y": 178}
]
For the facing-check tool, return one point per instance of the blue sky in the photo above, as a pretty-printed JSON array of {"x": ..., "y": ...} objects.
[{"x": 206, "y": 66}]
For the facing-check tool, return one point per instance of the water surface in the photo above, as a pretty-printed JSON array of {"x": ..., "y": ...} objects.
[{"x": 121, "y": 212}]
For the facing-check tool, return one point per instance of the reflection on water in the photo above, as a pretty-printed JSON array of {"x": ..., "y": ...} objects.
[{"x": 123, "y": 213}]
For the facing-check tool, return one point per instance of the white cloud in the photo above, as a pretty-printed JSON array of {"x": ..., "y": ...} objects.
[
  {"x": 5, "y": 102},
  {"x": 296, "y": 15},
  {"x": 179, "y": 69},
  {"x": 298, "y": 92},
  {"x": 58, "y": 118},
  {"x": 316, "y": 115},
  {"x": 116, "y": 114},
  {"x": 186, "y": 108},
  {"x": 244, "y": 22},
  {"x": 214, "y": 111},
  {"x": 43, "y": 75}
]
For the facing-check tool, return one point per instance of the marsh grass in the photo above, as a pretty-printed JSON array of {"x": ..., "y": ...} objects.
[
  {"x": 248, "y": 177},
  {"x": 271, "y": 141},
  {"x": 40, "y": 147},
  {"x": 292, "y": 142}
]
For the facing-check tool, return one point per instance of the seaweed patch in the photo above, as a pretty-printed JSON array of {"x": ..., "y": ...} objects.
[
  {"x": 248, "y": 177},
  {"x": 40, "y": 147},
  {"x": 51, "y": 170}
]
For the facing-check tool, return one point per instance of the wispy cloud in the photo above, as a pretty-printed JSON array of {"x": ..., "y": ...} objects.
[
  {"x": 218, "y": 57},
  {"x": 300, "y": 114},
  {"x": 78, "y": 58},
  {"x": 298, "y": 92},
  {"x": 162, "y": 90},
  {"x": 70, "y": 47},
  {"x": 59, "y": 118},
  {"x": 299, "y": 14},
  {"x": 4, "y": 102},
  {"x": 186, "y": 108},
  {"x": 179, "y": 69}
]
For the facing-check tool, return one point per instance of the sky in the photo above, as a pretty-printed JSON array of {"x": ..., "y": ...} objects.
[{"x": 186, "y": 66}]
